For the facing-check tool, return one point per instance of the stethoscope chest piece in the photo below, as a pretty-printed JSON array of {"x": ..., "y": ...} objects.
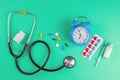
[{"x": 69, "y": 62}]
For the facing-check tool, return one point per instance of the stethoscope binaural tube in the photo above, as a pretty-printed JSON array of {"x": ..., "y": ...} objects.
[{"x": 9, "y": 36}]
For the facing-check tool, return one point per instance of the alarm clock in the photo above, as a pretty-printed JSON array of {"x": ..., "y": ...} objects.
[{"x": 80, "y": 33}]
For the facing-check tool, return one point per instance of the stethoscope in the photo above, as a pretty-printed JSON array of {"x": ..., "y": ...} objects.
[{"x": 68, "y": 61}]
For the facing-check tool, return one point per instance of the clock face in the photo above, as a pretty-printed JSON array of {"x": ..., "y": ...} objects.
[{"x": 81, "y": 35}]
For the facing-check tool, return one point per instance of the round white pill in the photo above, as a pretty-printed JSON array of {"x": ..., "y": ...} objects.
[
  {"x": 57, "y": 44},
  {"x": 56, "y": 34}
]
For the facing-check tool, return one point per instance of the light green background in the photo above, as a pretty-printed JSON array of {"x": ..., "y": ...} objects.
[{"x": 56, "y": 16}]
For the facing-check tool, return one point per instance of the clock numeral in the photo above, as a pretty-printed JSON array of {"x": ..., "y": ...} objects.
[{"x": 78, "y": 30}]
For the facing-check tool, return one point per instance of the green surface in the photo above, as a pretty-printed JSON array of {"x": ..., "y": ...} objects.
[{"x": 56, "y": 16}]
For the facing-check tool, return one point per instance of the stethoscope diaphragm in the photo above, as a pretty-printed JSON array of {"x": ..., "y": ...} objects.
[{"x": 69, "y": 62}]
